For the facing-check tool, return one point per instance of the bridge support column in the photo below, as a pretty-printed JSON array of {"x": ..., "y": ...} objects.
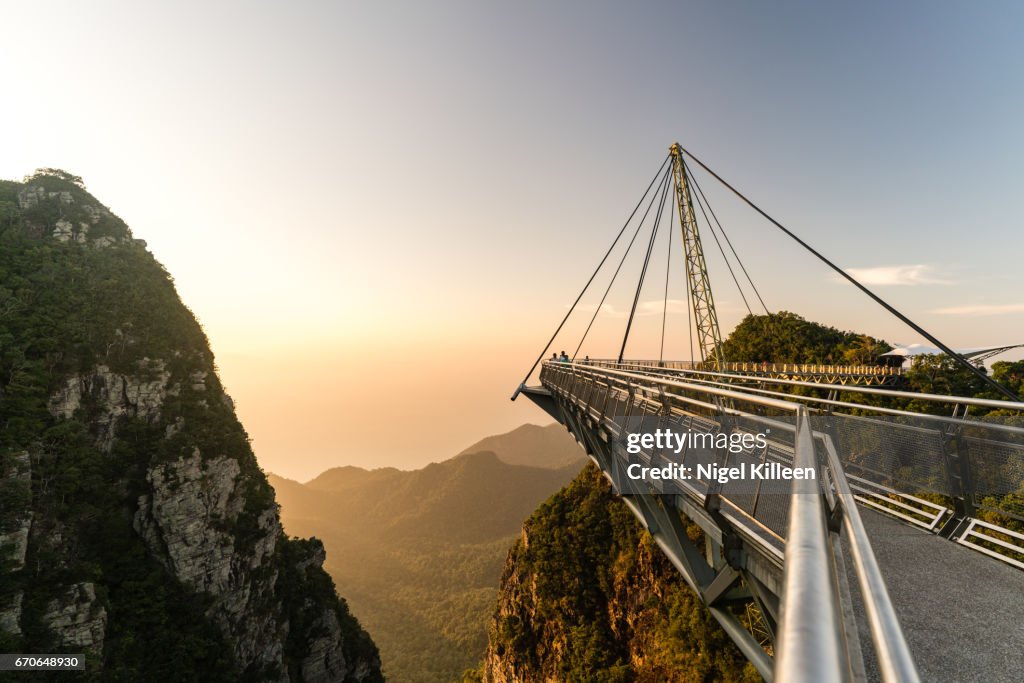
[{"x": 958, "y": 474}]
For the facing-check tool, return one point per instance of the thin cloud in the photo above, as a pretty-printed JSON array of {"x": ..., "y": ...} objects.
[
  {"x": 981, "y": 309},
  {"x": 644, "y": 308},
  {"x": 901, "y": 275},
  {"x": 657, "y": 307},
  {"x": 606, "y": 309}
]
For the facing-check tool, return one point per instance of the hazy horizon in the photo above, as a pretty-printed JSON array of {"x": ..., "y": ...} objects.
[
  {"x": 440, "y": 458},
  {"x": 379, "y": 213}
]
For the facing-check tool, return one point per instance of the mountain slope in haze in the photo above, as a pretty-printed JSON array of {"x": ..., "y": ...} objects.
[
  {"x": 533, "y": 446},
  {"x": 586, "y": 595},
  {"x": 135, "y": 524},
  {"x": 422, "y": 551}
]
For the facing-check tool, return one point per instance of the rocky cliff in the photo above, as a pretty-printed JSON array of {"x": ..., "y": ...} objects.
[
  {"x": 135, "y": 523},
  {"x": 587, "y": 596}
]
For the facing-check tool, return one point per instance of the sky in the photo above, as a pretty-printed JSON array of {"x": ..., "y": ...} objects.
[{"x": 380, "y": 211}]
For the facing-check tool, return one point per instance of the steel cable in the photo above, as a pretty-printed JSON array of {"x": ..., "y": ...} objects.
[
  {"x": 587, "y": 286},
  {"x": 874, "y": 297}
]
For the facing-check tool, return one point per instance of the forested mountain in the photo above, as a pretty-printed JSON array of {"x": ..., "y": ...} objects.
[
  {"x": 587, "y": 596},
  {"x": 421, "y": 551},
  {"x": 786, "y": 337},
  {"x": 135, "y": 524},
  {"x": 547, "y": 447}
]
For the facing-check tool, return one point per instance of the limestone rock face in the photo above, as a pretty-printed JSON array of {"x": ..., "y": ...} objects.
[
  {"x": 34, "y": 195},
  {"x": 77, "y": 619},
  {"x": 15, "y": 527},
  {"x": 10, "y": 615},
  {"x": 326, "y": 662},
  {"x": 182, "y": 521},
  {"x": 63, "y": 231},
  {"x": 16, "y": 521},
  {"x": 518, "y": 600},
  {"x": 117, "y": 396},
  {"x": 188, "y": 520},
  {"x": 177, "y": 520}
]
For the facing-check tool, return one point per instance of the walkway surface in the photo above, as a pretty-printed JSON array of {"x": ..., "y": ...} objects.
[{"x": 961, "y": 611}]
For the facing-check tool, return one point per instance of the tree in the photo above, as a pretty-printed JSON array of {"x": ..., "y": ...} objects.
[
  {"x": 56, "y": 173},
  {"x": 1010, "y": 375},
  {"x": 786, "y": 337},
  {"x": 940, "y": 374},
  {"x": 865, "y": 351}
]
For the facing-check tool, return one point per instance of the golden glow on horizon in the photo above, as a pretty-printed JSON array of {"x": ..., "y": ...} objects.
[{"x": 332, "y": 208}]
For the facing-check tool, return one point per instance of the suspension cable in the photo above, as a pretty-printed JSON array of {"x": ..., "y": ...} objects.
[
  {"x": 587, "y": 286},
  {"x": 643, "y": 271},
  {"x": 615, "y": 275},
  {"x": 877, "y": 299},
  {"x": 711, "y": 228},
  {"x": 726, "y": 236}
]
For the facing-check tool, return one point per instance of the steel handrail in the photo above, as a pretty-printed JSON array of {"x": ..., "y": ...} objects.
[
  {"x": 933, "y": 398},
  {"x": 895, "y": 661},
  {"x": 859, "y": 370},
  {"x": 810, "y": 641},
  {"x": 800, "y": 398},
  {"x": 810, "y": 630},
  {"x": 788, "y": 406}
]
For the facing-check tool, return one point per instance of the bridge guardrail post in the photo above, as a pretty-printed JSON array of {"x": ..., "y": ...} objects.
[
  {"x": 604, "y": 404},
  {"x": 757, "y": 491},
  {"x": 958, "y": 474},
  {"x": 831, "y": 431},
  {"x": 731, "y": 547}
]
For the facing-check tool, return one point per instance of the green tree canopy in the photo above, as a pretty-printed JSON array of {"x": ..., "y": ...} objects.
[
  {"x": 56, "y": 173},
  {"x": 786, "y": 337}
]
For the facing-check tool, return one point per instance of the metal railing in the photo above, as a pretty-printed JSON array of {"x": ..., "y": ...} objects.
[
  {"x": 817, "y": 373},
  {"x": 974, "y": 463},
  {"x": 814, "y": 642},
  {"x": 685, "y": 367},
  {"x": 860, "y": 370},
  {"x": 996, "y": 541}
]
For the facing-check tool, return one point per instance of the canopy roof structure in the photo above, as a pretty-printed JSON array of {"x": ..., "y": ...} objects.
[{"x": 977, "y": 353}]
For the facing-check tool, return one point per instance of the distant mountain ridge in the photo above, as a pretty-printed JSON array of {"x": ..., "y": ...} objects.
[
  {"x": 478, "y": 494},
  {"x": 339, "y": 478},
  {"x": 532, "y": 445},
  {"x": 421, "y": 551}
]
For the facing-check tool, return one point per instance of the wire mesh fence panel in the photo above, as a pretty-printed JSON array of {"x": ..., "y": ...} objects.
[
  {"x": 997, "y": 475},
  {"x": 892, "y": 453}
]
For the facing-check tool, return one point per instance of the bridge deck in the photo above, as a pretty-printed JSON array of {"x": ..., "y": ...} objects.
[
  {"x": 960, "y": 610},
  {"x": 962, "y": 613}
]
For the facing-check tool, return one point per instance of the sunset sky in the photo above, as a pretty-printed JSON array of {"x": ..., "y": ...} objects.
[{"x": 379, "y": 211}]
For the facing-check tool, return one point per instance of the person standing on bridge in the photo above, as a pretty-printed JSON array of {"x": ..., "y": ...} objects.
[
  {"x": 563, "y": 358},
  {"x": 554, "y": 357}
]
